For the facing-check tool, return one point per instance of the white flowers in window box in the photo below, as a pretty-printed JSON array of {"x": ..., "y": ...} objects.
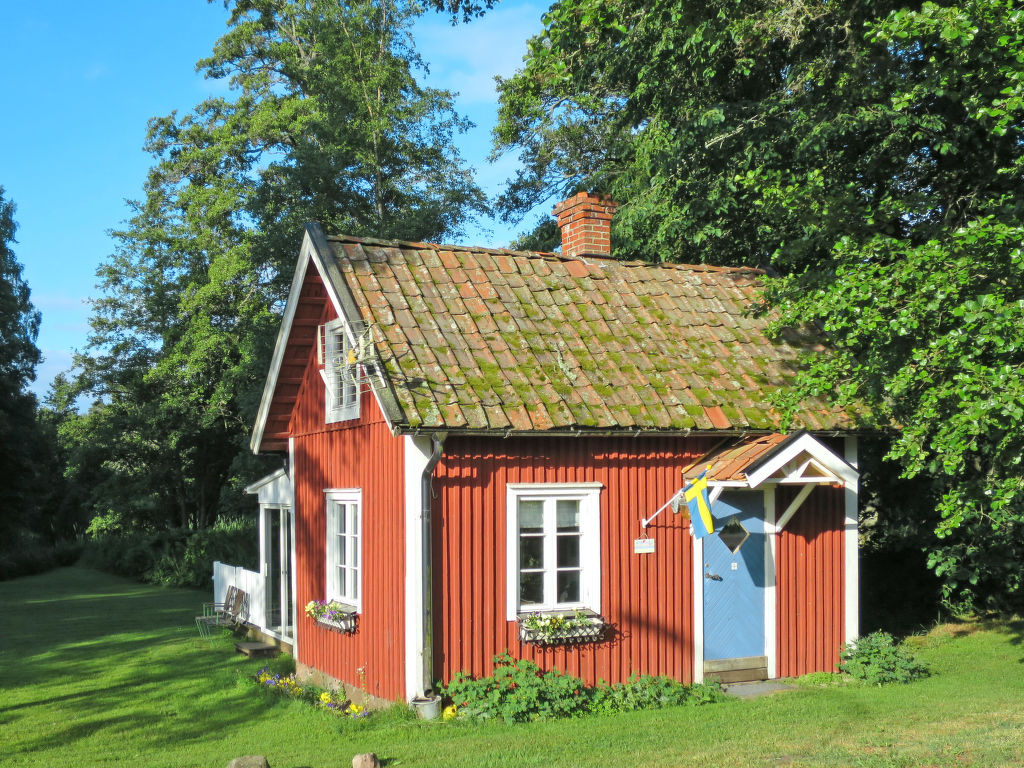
[
  {"x": 332, "y": 615},
  {"x": 561, "y": 628}
]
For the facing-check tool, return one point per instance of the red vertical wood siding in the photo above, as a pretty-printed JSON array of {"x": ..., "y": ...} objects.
[
  {"x": 810, "y": 570},
  {"x": 354, "y": 454},
  {"x": 646, "y": 598}
]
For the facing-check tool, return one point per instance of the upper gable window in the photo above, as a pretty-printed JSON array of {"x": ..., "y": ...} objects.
[{"x": 341, "y": 374}]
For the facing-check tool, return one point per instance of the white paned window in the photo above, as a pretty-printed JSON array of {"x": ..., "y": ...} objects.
[
  {"x": 554, "y": 547},
  {"x": 344, "y": 550},
  {"x": 340, "y": 379}
]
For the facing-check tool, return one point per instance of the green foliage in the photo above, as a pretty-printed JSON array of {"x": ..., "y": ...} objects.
[
  {"x": 22, "y": 447},
  {"x": 324, "y": 121},
  {"x": 174, "y": 557},
  {"x": 871, "y": 154},
  {"x": 877, "y": 659},
  {"x": 649, "y": 692},
  {"x": 27, "y": 553},
  {"x": 819, "y": 679},
  {"x": 329, "y": 701},
  {"x": 101, "y": 671},
  {"x": 546, "y": 236},
  {"x": 519, "y": 691}
]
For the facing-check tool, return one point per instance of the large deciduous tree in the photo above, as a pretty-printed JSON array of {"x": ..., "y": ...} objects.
[
  {"x": 19, "y": 355},
  {"x": 871, "y": 153},
  {"x": 325, "y": 121}
]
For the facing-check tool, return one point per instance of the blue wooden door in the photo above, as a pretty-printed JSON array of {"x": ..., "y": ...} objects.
[{"x": 734, "y": 588}]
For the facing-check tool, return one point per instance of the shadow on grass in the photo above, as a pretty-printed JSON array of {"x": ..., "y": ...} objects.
[{"x": 90, "y": 655}]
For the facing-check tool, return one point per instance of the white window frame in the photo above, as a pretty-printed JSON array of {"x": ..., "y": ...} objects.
[
  {"x": 589, "y": 497},
  {"x": 339, "y": 499},
  {"x": 341, "y": 390}
]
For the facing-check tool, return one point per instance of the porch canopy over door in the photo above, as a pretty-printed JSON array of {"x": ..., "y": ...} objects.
[{"x": 737, "y": 574}]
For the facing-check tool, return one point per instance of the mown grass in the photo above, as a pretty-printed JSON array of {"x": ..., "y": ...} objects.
[{"x": 98, "y": 671}]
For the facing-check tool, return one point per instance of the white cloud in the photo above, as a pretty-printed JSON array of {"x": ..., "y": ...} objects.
[{"x": 466, "y": 57}]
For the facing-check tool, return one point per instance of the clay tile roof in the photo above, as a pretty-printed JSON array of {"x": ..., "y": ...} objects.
[
  {"x": 731, "y": 461},
  {"x": 475, "y": 339}
]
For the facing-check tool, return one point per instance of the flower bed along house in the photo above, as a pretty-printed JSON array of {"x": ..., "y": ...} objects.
[{"x": 560, "y": 629}]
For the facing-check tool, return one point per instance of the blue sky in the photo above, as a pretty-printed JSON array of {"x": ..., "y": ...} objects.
[{"x": 82, "y": 79}]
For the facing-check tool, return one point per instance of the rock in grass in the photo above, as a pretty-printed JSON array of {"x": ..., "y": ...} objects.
[
  {"x": 366, "y": 760},
  {"x": 249, "y": 761}
]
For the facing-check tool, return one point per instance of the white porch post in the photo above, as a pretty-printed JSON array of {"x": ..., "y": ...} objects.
[{"x": 770, "y": 595}]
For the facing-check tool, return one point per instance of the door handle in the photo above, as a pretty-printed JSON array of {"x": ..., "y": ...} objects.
[{"x": 712, "y": 577}]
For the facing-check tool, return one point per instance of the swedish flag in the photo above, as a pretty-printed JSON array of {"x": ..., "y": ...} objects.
[{"x": 696, "y": 495}]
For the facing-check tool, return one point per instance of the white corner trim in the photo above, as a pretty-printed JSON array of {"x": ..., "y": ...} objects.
[
  {"x": 294, "y": 554},
  {"x": 698, "y": 609},
  {"x": 770, "y": 595},
  {"x": 417, "y": 452},
  {"x": 851, "y": 537}
]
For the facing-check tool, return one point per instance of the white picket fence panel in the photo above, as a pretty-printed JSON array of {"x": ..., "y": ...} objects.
[{"x": 252, "y": 583}]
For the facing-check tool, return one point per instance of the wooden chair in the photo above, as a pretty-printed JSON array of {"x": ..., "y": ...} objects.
[{"x": 232, "y": 612}]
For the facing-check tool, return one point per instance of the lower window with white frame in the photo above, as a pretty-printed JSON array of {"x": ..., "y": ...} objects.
[
  {"x": 554, "y": 560},
  {"x": 344, "y": 547}
]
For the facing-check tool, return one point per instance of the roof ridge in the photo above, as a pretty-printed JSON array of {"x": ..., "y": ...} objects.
[{"x": 543, "y": 255}]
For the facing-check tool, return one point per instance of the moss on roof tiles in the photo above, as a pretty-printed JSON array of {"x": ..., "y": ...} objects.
[{"x": 625, "y": 345}]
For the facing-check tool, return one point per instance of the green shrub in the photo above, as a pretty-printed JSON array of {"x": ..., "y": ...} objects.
[
  {"x": 174, "y": 557},
  {"x": 877, "y": 659},
  {"x": 648, "y": 692},
  {"x": 27, "y": 554},
  {"x": 518, "y": 691}
]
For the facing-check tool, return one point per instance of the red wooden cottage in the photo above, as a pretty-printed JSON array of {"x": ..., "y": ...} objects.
[{"x": 476, "y": 436}]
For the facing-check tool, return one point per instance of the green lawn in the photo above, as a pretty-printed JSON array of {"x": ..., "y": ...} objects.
[{"x": 98, "y": 671}]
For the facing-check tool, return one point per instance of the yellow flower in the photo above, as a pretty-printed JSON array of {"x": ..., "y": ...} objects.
[
  {"x": 325, "y": 697},
  {"x": 354, "y": 709}
]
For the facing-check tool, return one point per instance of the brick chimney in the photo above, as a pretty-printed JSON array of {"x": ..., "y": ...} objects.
[{"x": 586, "y": 224}]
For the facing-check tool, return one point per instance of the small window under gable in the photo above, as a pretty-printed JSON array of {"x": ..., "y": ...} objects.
[{"x": 340, "y": 372}]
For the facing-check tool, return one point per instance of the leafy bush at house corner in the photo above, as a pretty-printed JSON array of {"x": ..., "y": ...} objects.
[
  {"x": 519, "y": 691},
  {"x": 877, "y": 659}
]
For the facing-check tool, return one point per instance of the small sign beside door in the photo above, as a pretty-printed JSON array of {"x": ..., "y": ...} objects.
[{"x": 643, "y": 546}]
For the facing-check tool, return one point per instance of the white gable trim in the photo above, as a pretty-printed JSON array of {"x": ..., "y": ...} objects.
[
  {"x": 316, "y": 249},
  {"x": 347, "y": 310},
  {"x": 281, "y": 344},
  {"x": 805, "y": 460}
]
